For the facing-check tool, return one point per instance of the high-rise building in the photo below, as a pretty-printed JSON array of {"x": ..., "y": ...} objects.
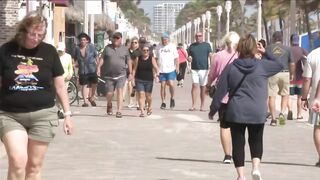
[{"x": 164, "y": 16}]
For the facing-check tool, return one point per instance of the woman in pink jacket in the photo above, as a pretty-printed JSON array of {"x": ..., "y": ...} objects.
[{"x": 220, "y": 60}]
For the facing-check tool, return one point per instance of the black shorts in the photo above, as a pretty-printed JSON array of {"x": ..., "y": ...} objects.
[
  {"x": 223, "y": 123},
  {"x": 88, "y": 79}
]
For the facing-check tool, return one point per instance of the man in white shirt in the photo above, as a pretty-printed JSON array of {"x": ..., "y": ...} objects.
[
  {"x": 168, "y": 60},
  {"x": 311, "y": 76}
]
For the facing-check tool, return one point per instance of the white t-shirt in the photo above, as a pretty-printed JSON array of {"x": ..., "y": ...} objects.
[
  {"x": 166, "y": 56},
  {"x": 311, "y": 70}
]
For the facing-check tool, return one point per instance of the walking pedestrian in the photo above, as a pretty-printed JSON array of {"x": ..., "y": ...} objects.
[
  {"x": 183, "y": 55},
  {"x": 279, "y": 84},
  {"x": 134, "y": 52},
  {"x": 245, "y": 81},
  {"x": 145, "y": 71},
  {"x": 31, "y": 75},
  {"x": 113, "y": 64},
  {"x": 200, "y": 53},
  {"x": 299, "y": 57},
  {"x": 219, "y": 62},
  {"x": 66, "y": 61},
  {"x": 311, "y": 77},
  {"x": 168, "y": 62},
  {"x": 86, "y": 58}
]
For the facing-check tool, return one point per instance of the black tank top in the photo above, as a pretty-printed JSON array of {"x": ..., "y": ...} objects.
[{"x": 144, "y": 69}]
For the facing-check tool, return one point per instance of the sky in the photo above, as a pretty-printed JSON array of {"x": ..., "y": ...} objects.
[{"x": 147, "y": 5}]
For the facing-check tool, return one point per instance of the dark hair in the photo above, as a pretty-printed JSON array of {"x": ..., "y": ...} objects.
[
  {"x": 277, "y": 36},
  {"x": 247, "y": 46},
  {"x": 263, "y": 42},
  {"x": 84, "y": 35}
]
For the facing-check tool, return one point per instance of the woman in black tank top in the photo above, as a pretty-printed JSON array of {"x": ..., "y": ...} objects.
[{"x": 145, "y": 71}]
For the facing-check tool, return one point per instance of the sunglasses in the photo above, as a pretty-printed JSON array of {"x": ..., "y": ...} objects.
[{"x": 134, "y": 42}]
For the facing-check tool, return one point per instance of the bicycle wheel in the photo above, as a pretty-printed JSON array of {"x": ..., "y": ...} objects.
[{"x": 72, "y": 92}]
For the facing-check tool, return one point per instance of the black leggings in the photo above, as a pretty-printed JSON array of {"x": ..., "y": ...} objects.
[
  {"x": 255, "y": 139},
  {"x": 182, "y": 71}
]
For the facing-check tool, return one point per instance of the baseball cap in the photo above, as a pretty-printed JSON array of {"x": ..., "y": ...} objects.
[
  {"x": 165, "y": 35},
  {"x": 61, "y": 46}
]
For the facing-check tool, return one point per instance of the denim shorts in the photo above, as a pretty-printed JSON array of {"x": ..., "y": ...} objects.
[
  {"x": 145, "y": 86},
  {"x": 168, "y": 76},
  {"x": 40, "y": 125},
  {"x": 88, "y": 79}
]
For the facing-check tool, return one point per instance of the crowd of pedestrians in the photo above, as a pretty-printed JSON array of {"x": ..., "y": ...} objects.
[{"x": 248, "y": 75}]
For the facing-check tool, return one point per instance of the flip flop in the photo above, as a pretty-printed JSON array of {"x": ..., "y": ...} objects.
[{"x": 192, "y": 109}]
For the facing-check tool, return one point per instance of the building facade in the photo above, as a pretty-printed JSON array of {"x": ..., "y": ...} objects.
[
  {"x": 8, "y": 19},
  {"x": 164, "y": 16}
]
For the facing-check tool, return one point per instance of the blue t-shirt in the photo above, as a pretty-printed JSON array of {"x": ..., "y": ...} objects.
[{"x": 200, "y": 54}]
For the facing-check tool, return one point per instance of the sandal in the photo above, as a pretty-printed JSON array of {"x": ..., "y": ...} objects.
[
  {"x": 109, "y": 109},
  {"x": 118, "y": 115},
  {"x": 85, "y": 105},
  {"x": 192, "y": 109},
  {"x": 92, "y": 102},
  {"x": 273, "y": 122},
  {"x": 300, "y": 117},
  {"x": 149, "y": 111}
]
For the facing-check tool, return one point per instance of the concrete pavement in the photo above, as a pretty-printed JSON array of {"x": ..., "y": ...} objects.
[{"x": 168, "y": 145}]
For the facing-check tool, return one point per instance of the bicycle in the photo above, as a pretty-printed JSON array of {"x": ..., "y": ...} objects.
[{"x": 73, "y": 90}]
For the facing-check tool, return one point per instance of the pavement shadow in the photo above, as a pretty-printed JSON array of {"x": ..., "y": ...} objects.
[{"x": 220, "y": 162}]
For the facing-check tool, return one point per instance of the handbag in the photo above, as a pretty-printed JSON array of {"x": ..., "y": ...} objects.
[{"x": 212, "y": 89}]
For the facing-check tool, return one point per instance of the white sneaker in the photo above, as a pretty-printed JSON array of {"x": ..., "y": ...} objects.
[{"x": 256, "y": 175}]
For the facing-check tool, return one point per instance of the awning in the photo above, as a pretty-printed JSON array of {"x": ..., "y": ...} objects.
[{"x": 60, "y": 2}]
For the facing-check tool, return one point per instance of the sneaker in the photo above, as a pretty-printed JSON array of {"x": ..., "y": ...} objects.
[
  {"x": 227, "y": 159},
  {"x": 273, "y": 122},
  {"x": 281, "y": 119},
  {"x": 163, "y": 105},
  {"x": 290, "y": 115},
  {"x": 172, "y": 103},
  {"x": 256, "y": 175}
]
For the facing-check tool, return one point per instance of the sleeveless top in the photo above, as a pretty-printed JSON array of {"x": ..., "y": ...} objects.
[{"x": 144, "y": 70}]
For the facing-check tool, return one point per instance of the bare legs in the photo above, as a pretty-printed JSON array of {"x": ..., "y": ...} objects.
[
  {"x": 25, "y": 156},
  {"x": 194, "y": 92},
  {"x": 316, "y": 138},
  {"x": 226, "y": 142}
]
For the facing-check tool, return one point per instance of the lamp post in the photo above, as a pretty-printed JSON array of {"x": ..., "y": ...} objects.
[
  {"x": 259, "y": 19},
  {"x": 203, "y": 18},
  {"x": 198, "y": 23},
  {"x": 228, "y": 8},
  {"x": 195, "y": 22},
  {"x": 189, "y": 25},
  {"x": 219, "y": 12},
  {"x": 208, "y": 15},
  {"x": 242, "y": 2},
  {"x": 183, "y": 29}
]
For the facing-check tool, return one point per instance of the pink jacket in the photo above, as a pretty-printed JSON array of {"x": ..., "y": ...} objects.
[{"x": 220, "y": 61}]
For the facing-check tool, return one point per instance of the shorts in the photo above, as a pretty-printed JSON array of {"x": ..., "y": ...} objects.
[
  {"x": 314, "y": 118},
  {"x": 144, "y": 86},
  {"x": 40, "y": 125},
  {"x": 112, "y": 84},
  {"x": 171, "y": 76},
  {"x": 88, "y": 79},
  {"x": 295, "y": 89},
  {"x": 279, "y": 84},
  {"x": 200, "y": 77},
  {"x": 222, "y": 118}
]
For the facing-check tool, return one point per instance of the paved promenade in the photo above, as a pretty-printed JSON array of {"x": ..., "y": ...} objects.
[{"x": 168, "y": 145}]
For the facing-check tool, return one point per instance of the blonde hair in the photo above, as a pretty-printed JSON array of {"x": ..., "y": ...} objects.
[
  {"x": 32, "y": 19},
  {"x": 231, "y": 40}
]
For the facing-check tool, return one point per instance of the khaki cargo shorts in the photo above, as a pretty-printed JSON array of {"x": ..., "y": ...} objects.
[
  {"x": 40, "y": 125},
  {"x": 279, "y": 84}
]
